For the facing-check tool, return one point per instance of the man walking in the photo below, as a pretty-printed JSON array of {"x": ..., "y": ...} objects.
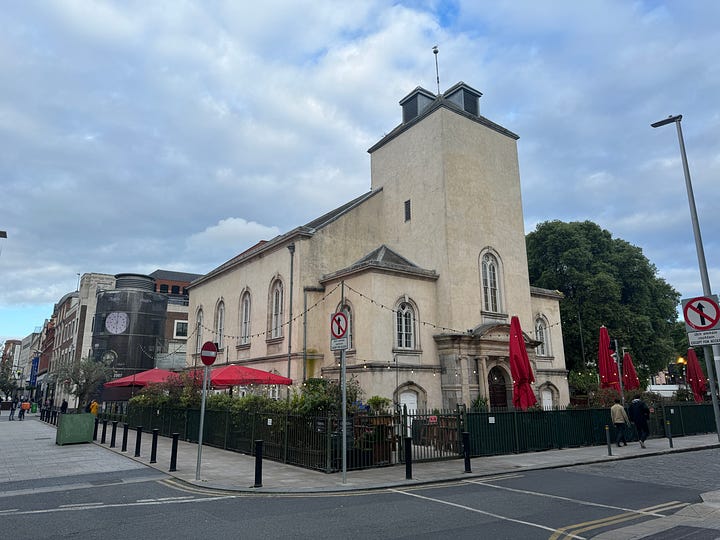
[
  {"x": 639, "y": 414},
  {"x": 620, "y": 419}
]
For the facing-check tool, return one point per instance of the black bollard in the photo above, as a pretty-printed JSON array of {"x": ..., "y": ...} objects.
[
  {"x": 112, "y": 435},
  {"x": 408, "y": 458},
  {"x": 668, "y": 428},
  {"x": 125, "y": 438},
  {"x": 95, "y": 429},
  {"x": 173, "y": 452},
  {"x": 466, "y": 450},
  {"x": 104, "y": 431},
  {"x": 258, "y": 463},
  {"x": 153, "y": 448},
  {"x": 607, "y": 437},
  {"x": 137, "y": 441}
]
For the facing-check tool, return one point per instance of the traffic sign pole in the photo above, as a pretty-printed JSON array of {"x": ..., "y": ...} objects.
[{"x": 208, "y": 353}]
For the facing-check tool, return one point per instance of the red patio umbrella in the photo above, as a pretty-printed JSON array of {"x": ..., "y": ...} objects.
[
  {"x": 523, "y": 395},
  {"x": 606, "y": 363},
  {"x": 155, "y": 375},
  {"x": 695, "y": 376},
  {"x": 235, "y": 375},
  {"x": 630, "y": 378}
]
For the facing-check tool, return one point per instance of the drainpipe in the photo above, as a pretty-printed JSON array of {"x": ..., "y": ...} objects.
[{"x": 291, "y": 248}]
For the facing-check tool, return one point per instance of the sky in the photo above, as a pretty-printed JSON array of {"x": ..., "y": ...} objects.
[{"x": 175, "y": 134}]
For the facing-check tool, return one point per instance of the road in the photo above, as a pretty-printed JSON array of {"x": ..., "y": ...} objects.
[{"x": 574, "y": 502}]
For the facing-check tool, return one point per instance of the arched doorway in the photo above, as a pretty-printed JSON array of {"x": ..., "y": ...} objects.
[{"x": 497, "y": 388}]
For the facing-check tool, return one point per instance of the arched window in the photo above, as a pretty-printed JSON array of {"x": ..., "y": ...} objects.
[
  {"x": 490, "y": 281},
  {"x": 276, "y": 309},
  {"x": 199, "y": 331},
  {"x": 245, "y": 318},
  {"x": 220, "y": 324},
  {"x": 405, "y": 326},
  {"x": 349, "y": 333},
  {"x": 542, "y": 334}
]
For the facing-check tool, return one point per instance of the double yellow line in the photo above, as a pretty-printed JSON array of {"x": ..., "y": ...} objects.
[{"x": 571, "y": 531}]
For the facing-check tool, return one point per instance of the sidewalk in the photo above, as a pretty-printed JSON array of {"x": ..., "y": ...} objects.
[{"x": 234, "y": 472}]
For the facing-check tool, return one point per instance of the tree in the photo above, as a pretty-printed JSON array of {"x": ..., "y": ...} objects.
[
  {"x": 8, "y": 384},
  {"x": 84, "y": 377},
  {"x": 607, "y": 281},
  {"x": 324, "y": 397}
]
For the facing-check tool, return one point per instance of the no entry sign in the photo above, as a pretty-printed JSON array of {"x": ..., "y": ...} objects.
[
  {"x": 208, "y": 353},
  {"x": 701, "y": 313}
]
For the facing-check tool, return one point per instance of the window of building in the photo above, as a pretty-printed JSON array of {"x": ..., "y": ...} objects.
[
  {"x": 164, "y": 288},
  {"x": 407, "y": 210},
  {"x": 276, "y": 309},
  {"x": 245, "y": 319},
  {"x": 348, "y": 315},
  {"x": 542, "y": 334},
  {"x": 199, "y": 331},
  {"x": 220, "y": 324},
  {"x": 491, "y": 292},
  {"x": 405, "y": 326},
  {"x": 181, "y": 329},
  {"x": 175, "y": 289}
]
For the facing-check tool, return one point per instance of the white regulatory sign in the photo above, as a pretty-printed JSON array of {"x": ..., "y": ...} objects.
[
  {"x": 338, "y": 344},
  {"x": 699, "y": 339},
  {"x": 701, "y": 313}
]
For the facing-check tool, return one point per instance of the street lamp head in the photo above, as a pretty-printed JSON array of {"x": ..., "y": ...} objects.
[{"x": 669, "y": 120}]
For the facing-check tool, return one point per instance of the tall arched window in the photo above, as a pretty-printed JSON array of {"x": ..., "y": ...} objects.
[
  {"x": 349, "y": 333},
  {"x": 276, "y": 309},
  {"x": 405, "y": 326},
  {"x": 199, "y": 331},
  {"x": 245, "y": 319},
  {"x": 491, "y": 292},
  {"x": 220, "y": 325},
  {"x": 542, "y": 334}
]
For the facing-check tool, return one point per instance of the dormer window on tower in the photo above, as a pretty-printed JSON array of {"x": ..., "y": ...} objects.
[
  {"x": 415, "y": 103},
  {"x": 465, "y": 97}
]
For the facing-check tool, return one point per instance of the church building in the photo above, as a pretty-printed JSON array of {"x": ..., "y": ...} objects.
[{"x": 427, "y": 267}]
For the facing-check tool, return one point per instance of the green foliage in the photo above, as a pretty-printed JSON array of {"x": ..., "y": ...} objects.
[
  {"x": 608, "y": 281},
  {"x": 8, "y": 384},
  {"x": 182, "y": 390},
  {"x": 604, "y": 397},
  {"x": 378, "y": 404},
  {"x": 480, "y": 404},
  {"x": 583, "y": 382},
  {"x": 683, "y": 394},
  {"x": 322, "y": 397},
  {"x": 82, "y": 378}
]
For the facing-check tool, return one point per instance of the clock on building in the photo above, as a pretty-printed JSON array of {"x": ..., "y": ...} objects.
[{"x": 116, "y": 322}]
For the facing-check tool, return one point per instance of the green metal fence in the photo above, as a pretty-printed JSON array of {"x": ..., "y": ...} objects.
[{"x": 378, "y": 440}]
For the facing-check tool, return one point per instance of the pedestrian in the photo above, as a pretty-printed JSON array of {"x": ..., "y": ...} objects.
[
  {"x": 639, "y": 414},
  {"x": 13, "y": 408},
  {"x": 94, "y": 407},
  {"x": 620, "y": 419},
  {"x": 64, "y": 406},
  {"x": 24, "y": 406}
]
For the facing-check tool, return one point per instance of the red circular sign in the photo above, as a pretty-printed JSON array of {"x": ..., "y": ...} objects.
[
  {"x": 338, "y": 325},
  {"x": 701, "y": 313},
  {"x": 208, "y": 353}
]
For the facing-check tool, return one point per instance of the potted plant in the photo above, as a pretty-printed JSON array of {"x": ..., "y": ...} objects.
[{"x": 82, "y": 379}]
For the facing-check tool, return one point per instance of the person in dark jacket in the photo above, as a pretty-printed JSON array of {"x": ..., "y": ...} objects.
[
  {"x": 639, "y": 414},
  {"x": 64, "y": 406}
]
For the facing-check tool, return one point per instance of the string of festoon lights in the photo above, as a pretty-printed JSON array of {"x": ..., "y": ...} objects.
[
  {"x": 374, "y": 302},
  {"x": 181, "y": 346}
]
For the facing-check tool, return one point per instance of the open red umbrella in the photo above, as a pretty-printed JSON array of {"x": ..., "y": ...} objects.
[
  {"x": 695, "y": 376},
  {"x": 235, "y": 375},
  {"x": 606, "y": 364},
  {"x": 143, "y": 378},
  {"x": 630, "y": 378},
  {"x": 523, "y": 395}
]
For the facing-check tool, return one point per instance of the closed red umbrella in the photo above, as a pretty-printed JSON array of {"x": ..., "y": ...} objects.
[
  {"x": 523, "y": 395},
  {"x": 695, "y": 376},
  {"x": 630, "y": 378},
  {"x": 151, "y": 376},
  {"x": 235, "y": 375},
  {"x": 606, "y": 364}
]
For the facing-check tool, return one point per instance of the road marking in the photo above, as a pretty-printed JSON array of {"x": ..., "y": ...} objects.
[
  {"x": 568, "y": 499},
  {"x": 84, "y": 505},
  {"x": 164, "y": 499},
  {"x": 570, "y": 530},
  {"x": 477, "y": 511}
]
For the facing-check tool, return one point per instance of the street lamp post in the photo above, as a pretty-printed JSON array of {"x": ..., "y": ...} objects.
[{"x": 708, "y": 351}]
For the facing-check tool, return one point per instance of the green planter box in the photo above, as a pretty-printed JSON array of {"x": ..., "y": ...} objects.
[{"x": 75, "y": 428}]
